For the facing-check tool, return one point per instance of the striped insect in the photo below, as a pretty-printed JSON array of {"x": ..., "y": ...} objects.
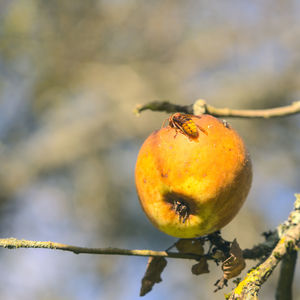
[
  {"x": 182, "y": 210},
  {"x": 185, "y": 124}
]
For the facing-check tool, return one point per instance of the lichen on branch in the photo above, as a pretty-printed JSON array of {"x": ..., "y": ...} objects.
[{"x": 289, "y": 233}]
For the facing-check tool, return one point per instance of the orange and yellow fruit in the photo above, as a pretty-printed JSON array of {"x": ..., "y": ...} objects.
[{"x": 192, "y": 186}]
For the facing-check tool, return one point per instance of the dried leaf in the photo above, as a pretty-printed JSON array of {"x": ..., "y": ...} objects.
[
  {"x": 201, "y": 267},
  {"x": 235, "y": 263},
  {"x": 194, "y": 246},
  {"x": 154, "y": 269}
]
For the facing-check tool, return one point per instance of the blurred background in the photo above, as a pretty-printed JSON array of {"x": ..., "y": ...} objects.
[{"x": 71, "y": 73}]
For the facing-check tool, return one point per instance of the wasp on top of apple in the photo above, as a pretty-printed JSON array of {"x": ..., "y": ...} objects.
[{"x": 185, "y": 124}]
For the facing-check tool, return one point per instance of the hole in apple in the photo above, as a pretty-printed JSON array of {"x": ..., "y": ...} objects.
[
  {"x": 182, "y": 205},
  {"x": 182, "y": 209}
]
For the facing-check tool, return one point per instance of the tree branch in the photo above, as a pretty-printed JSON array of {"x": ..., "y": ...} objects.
[
  {"x": 252, "y": 283},
  {"x": 12, "y": 243},
  {"x": 285, "y": 282},
  {"x": 283, "y": 111},
  {"x": 164, "y": 106},
  {"x": 256, "y": 252},
  {"x": 289, "y": 233},
  {"x": 200, "y": 107},
  {"x": 263, "y": 249}
]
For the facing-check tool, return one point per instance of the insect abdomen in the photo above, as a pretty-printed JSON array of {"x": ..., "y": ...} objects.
[{"x": 190, "y": 128}]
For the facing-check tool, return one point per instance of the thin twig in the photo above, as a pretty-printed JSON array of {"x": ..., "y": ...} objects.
[
  {"x": 164, "y": 106},
  {"x": 12, "y": 243},
  {"x": 283, "y": 111},
  {"x": 258, "y": 251},
  {"x": 200, "y": 107}
]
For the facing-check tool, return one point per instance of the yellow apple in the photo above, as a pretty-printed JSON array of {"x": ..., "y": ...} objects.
[{"x": 192, "y": 186}]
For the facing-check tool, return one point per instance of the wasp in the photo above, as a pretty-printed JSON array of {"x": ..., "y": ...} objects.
[
  {"x": 182, "y": 210},
  {"x": 185, "y": 124}
]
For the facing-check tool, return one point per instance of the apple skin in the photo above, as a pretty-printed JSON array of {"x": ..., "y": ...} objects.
[{"x": 211, "y": 174}]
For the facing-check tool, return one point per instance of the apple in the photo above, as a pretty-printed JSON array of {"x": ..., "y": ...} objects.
[{"x": 190, "y": 186}]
